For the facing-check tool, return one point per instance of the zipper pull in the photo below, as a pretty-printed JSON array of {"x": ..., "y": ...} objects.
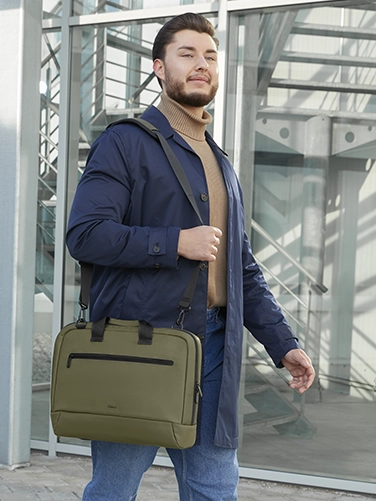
[{"x": 69, "y": 361}]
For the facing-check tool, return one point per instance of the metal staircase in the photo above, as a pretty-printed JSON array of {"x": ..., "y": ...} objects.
[{"x": 337, "y": 61}]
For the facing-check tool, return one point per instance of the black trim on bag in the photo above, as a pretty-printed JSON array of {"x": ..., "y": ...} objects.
[{"x": 118, "y": 358}]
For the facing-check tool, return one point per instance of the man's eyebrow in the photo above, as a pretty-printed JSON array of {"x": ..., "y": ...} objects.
[{"x": 188, "y": 47}]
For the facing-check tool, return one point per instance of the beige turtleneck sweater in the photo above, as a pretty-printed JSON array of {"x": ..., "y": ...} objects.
[{"x": 192, "y": 129}]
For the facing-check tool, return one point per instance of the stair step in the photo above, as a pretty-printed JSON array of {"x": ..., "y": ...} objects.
[
  {"x": 255, "y": 388},
  {"x": 270, "y": 403},
  {"x": 258, "y": 420}
]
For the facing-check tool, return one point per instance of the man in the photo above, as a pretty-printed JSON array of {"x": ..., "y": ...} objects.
[{"x": 131, "y": 219}]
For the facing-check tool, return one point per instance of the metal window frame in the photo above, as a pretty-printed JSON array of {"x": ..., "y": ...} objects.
[{"x": 61, "y": 189}]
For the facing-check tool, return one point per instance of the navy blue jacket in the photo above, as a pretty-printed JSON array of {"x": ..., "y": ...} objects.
[{"x": 126, "y": 217}]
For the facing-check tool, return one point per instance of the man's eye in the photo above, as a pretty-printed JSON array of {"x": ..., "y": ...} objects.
[{"x": 187, "y": 55}]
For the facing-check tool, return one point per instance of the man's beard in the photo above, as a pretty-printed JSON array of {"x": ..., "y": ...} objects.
[{"x": 175, "y": 91}]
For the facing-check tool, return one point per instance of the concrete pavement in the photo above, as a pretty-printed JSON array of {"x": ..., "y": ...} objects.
[{"x": 63, "y": 478}]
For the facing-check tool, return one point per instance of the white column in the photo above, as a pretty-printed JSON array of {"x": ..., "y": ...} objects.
[{"x": 20, "y": 47}]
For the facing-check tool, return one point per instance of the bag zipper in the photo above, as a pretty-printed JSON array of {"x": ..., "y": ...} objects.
[
  {"x": 197, "y": 386},
  {"x": 118, "y": 358}
]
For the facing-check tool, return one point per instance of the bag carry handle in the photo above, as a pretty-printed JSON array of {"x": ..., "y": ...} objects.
[{"x": 145, "y": 331}]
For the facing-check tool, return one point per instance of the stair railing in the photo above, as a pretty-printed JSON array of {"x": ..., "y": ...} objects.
[{"x": 314, "y": 286}]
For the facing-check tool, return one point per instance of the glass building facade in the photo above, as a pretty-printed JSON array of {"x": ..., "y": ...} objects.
[{"x": 296, "y": 112}]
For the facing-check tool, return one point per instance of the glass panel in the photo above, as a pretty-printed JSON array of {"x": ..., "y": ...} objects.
[
  {"x": 304, "y": 84},
  {"x": 44, "y": 272},
  {"x": 52, "y": 8},
  {"x": 93, "y": 6},
  {"x": 112, "y": 78}
]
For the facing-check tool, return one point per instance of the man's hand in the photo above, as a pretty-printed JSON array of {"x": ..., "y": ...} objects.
[
  {"x": 199, "y": 243},
  {"x": 298, "y": 363}
]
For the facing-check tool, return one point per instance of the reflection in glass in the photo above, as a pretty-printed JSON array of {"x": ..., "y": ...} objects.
[
  {"x": 116, "y": 75},
  {"x": 305, "y": 135}
]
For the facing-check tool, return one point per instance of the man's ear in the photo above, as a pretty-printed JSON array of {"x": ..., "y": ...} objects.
[{"x": 158, "y": 68}]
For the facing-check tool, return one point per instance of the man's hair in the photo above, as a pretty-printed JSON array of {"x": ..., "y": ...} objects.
[{"x": 187, "y": 21}]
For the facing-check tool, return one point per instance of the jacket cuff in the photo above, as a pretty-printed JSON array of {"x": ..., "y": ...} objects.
[
  {"x": 163, "y": 246},
  {"x": 282, "y": 349}
]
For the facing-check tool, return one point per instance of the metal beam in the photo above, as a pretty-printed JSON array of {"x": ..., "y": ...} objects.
[
  {"x": 281, "y": 83},
  {"x": 144, "y": 15},
  {"x": 275, "y": 34},
  {"x": 220, "y": 100},
  {"x": 246, "y": 5},
  {"x": 58, "y": 291},
  {"x": 336, "y": 60},
  {"x": 369, "y": 6},
  {"x": 326, "y": 30},
  {"x": 122, "y": 44},
  {"x": 304, "y": 113}
]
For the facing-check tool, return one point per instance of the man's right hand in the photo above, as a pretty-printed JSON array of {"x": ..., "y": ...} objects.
[{"x": 199, "y": 243}]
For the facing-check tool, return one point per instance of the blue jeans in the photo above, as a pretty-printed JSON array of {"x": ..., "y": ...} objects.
[{"x": 204, "y": 472}]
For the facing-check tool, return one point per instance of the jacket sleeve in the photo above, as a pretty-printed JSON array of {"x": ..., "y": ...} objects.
[
  {"x": 263, "y": 317},
  {"x": 97, "y": 229}
]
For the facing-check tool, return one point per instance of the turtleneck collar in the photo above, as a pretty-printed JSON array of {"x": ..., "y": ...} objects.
[{"x": 182, "y": 120}]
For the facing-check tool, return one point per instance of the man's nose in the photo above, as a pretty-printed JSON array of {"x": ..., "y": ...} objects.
[{"x": 202, "y": 63}]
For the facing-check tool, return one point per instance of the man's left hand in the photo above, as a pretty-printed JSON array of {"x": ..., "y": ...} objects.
[{"x": 298, "y": 363}]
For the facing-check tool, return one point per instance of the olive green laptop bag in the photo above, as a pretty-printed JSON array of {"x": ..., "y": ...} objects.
[
  {"x": 124, "y": 381},
  {"x": 137, "y": 385}
]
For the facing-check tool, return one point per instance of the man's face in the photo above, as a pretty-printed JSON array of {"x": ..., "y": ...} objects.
[{"x": 189, "y": 72}]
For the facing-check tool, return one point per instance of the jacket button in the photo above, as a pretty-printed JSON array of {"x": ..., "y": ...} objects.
[
  {"x": 156, "y": 248},
  {"x": 157, "y": 265},
  {"x": 204, "y": 197},
  {"x": 203, "y": 266}
]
